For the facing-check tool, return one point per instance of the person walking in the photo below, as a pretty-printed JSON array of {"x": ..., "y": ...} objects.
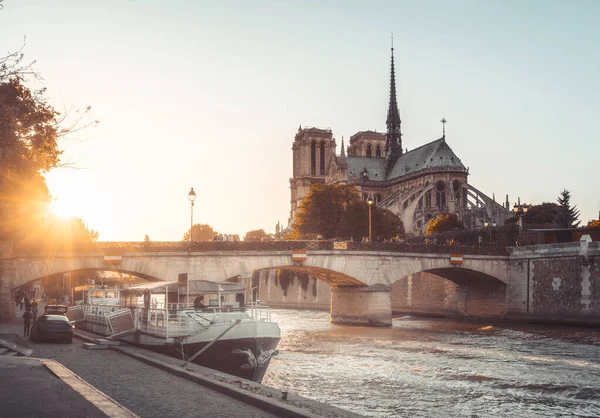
[
  {"x": 22, "y": 301},
  {"x": 34, "y": 309},
  {"x": 27, "y": 316}
]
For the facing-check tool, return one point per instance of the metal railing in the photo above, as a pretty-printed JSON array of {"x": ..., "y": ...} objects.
[{"x": 176, "y": 321}]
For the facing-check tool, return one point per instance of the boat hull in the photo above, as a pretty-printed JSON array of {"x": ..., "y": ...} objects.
[
  {"x": 245, "y": 351},
  {"x": 247, "y": 358}
]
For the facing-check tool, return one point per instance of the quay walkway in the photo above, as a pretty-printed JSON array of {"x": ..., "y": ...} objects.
[{"x": 127, "y": 381}]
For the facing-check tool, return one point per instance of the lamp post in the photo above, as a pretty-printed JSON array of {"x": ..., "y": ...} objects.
[
  {"x": 520, "y": 211},
  {"x": 486, "y": 224},
  {"x": 191, "y": 198},
  {"x": 370, "y": 203}
]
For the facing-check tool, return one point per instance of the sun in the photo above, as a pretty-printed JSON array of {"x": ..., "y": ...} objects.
[{"x": 62, "y": 209}]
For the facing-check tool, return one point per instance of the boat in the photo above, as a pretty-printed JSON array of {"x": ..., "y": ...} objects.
[{"x": 226, "y": 334}]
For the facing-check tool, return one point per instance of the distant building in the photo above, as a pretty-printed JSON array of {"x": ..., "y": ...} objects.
[{"x": 417, "y": 185}]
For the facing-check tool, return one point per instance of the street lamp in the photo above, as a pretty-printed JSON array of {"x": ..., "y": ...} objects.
[
  {"x": 520, "y": 211},
  {"x": 191, "y": 197},
  {"x": 370, "y": 203},
  {"x": 486, "y": 224}
]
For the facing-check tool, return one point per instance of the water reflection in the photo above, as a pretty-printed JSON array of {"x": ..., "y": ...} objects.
[{"x": 424, "y": 367}]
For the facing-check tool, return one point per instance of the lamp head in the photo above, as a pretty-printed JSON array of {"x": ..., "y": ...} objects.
[
  {"x": 192, "y": 195},
  {"x": 525, "y": 207},
  {"x": 369, "y": 200},
  {"x": 515, "y": 208},
  {"x": 486, "y": 223}
]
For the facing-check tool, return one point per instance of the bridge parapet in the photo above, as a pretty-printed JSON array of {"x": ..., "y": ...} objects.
[
  {"x": 555, "y": 250},
  {"x": 115, "y": 248}
]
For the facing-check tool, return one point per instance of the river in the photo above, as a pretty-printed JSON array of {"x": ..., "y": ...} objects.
[{"x": 424, "y": 367}]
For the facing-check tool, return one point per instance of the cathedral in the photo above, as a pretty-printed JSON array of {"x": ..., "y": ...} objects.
[{"x": 417, "y": 185}]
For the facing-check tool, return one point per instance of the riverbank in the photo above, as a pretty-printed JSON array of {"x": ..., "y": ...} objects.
[{"x": 152, "y": 385}]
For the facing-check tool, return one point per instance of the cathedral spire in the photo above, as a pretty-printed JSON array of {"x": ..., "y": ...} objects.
[
  {"x": 343, "y": 153},
  {"x": 393, "y": 141}
]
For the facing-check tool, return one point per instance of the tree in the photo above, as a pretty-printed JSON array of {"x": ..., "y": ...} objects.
[
  {"x": 321, "y": 210},
  {"x": 546, "y": 215},
  {"x": 200, "y": 232},
  {"x": 28, "y": 141},
  {"x": 444, "y": 222},
  {"x": 569, "y": 215},
  {"x": 257, "y": 235},
  {"x": 355, "y": 222}
]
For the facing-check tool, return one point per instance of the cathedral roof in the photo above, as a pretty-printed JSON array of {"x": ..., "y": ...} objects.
[
  {"x": 431, "y": 155},
  {"x": 436, "y": 154},
  {"x": 375, "y": 167}
]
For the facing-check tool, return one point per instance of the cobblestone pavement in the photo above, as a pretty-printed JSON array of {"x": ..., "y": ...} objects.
[{"x": 145, "y": 390}]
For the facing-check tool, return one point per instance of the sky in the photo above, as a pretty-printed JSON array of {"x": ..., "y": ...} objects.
[{"x": 209, "y": 95}]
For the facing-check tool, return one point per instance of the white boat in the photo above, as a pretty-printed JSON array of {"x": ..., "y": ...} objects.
[{"x": 226, "y": 335}]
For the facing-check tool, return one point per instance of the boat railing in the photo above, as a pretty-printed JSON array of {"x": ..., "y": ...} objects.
[
  {"x": 172, "y": 322},
  {"x": 97, "y": 313},
  {"x": 259, "y": 312}
]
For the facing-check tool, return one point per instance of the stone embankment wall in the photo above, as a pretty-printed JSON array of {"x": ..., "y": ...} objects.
[{"x": 556, "y": 282}]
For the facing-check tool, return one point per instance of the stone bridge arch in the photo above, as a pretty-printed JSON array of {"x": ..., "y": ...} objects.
[
  {"x": 356, "y": 277},
  {"x": 338, "y": 267},
  {"x": 450, "y": 291}
]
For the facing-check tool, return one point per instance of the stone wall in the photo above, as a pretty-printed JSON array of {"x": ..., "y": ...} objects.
[
  {"x": 556, "y": 282},
  {"x": 426, "y": 293},
  {"x": 299, "y": 291},
  {"x": 566, "y": 286}
]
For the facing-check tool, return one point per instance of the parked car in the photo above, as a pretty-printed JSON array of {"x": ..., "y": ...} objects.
[
  {"x": 56, "y": 310},
  {"x": 52, "y": 327}
]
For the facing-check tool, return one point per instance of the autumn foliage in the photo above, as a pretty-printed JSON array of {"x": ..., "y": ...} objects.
[{"x": 443, "y": 223}]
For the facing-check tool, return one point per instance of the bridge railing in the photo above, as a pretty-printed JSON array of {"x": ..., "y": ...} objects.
[{"x": 118, "y": 248}]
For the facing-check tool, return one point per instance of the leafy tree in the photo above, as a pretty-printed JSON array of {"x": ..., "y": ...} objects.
[
  {"x": 29, "y": 130},
  {"x": 569, "y": 215},
  {"x": 355, "y": 222},
  {"x": 444, "y": 222},
  {"x": 321, "y": 210},
  {"x": 257, "y": 235},
  {"x": 147, "y": 239},
  {"x": 28, "y": 142},
  {"x": 546, "y": 215},
  {"x": 387, "y": 224},
  {"x": 200, "y": 232}
]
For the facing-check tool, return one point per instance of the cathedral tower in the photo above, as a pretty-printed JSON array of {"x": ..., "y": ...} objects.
[{"x": 313, "y": 150}]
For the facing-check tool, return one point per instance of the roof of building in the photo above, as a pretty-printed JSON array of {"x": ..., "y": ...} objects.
[
  {"x": 434, "y": 154},
  {"x": 375, "y": 167}
]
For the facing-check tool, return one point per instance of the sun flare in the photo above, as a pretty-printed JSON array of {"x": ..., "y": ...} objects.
[{"x": 63, "y": 209}]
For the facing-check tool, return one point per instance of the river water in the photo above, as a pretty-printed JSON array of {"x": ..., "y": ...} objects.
[{"x": 424, "y": 367}]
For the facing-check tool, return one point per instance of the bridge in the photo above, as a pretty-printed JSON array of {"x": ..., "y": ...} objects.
[{"x": 360, "y": 276}]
